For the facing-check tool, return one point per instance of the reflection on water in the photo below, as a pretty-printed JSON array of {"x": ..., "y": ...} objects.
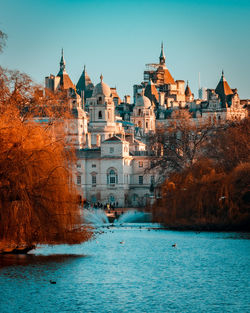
[
  {"x": 133, "y": 268},
  {"x": 32, "y": 259}
]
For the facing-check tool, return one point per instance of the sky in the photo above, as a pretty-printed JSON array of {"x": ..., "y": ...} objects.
[{"x": 117, "y": 38}]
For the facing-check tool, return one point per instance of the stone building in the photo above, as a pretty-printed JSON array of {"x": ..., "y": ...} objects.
[{"x": 110, "y": 135}]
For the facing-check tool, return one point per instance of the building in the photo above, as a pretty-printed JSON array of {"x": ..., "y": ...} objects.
[
  {"x": 223, "y": 103},
  {"x": 110, "y": 135}
]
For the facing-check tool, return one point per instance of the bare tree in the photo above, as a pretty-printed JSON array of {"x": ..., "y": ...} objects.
[
  {"x": 18, "y": 90},
  {"x": 178, "y": 145},
  {"x": 229, "y": 145},
  {"x": 211, "y": 191}
]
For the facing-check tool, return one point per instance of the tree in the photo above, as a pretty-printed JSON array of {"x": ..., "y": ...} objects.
[
  {"x": 232, "y": 144},
  {"x": 177, "y": 145},
  {"x": 31, "y": 100},
  {"x": 38, "y": 197},
  {"x": 213, "y": 192}
]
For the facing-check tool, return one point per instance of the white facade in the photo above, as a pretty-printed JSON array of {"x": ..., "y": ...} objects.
[{"x": 112, "y": 157}]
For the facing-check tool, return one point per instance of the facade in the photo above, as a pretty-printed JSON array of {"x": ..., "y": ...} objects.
[{"x": 110, "y": 134}]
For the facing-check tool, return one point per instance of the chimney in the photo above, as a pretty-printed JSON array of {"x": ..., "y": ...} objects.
[
  {"x": 88, "y": 140},
  {"x": 98, "y": 140},
  {"x": 162, "y": 99},
  {"x": 127, "y": 99}
]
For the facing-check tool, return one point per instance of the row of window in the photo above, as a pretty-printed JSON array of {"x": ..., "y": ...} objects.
[
  {"x": 112, "y": 179},
  {"x": 111, "y": 150}
]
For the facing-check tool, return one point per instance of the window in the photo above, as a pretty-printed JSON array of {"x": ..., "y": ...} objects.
[
  {"x": 78, "y": 180},
  {"x": 93, "y": 180},
  {"x": 112, "y": 177},
  {"x": 140, "y": 164},
  {"x": 146, "y": 124},
  {"x": 140, "y": 180},
  {"x": 111, "y": 149},
  {"x": 78, "y": 165},
  {"x": 93, "y": 165},
  {"x": 100, "y": 115}
]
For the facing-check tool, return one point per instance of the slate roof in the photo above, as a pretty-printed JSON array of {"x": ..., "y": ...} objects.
[
  {"x": 85, "y": 84},
  {"x": 223, "y": 90},
  {"x": 188, "y": 92},
  {"x": 114, "y": 138},
  {"x": 151, "y": 92},
  {"x": 65, "y": 81},
  {"x": 167, "y": 77}
]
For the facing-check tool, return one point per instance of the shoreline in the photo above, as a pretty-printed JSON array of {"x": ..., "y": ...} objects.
[{"x": 208, "y": 228}]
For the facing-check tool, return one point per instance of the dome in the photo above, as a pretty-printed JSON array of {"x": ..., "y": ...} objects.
[
  {"x": 143, "y": 101},
  {"x": 101, "y": 89}
]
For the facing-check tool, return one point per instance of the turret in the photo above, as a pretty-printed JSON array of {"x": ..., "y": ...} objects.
[
  {"x": 162, "y": 57},
  {"x": 62, "y": 65}
]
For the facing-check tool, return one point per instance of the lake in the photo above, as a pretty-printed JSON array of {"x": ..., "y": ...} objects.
[{"x": 132, "y": 268}]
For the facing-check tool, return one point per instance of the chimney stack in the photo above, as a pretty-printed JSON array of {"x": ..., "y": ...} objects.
[{"x": 88, "y": 140}]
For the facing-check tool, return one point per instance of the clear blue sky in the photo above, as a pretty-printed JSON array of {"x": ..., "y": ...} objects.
[{"x": 117, "y": 38}]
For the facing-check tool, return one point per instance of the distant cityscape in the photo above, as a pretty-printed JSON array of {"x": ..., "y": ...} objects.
[{"x": 110, "y": 133}]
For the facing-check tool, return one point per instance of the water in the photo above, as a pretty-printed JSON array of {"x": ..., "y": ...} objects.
[
  {"x": 134, "y": 216},
  {"x": 98, "y": 217},
  {"x": 94, "y": 216},
  {"x": 132, "y": 268}
]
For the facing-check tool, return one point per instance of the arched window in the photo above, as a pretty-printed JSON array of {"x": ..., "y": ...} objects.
[
  {"x": 100, "y": 114},
  {"x": 112, "y": 177}
]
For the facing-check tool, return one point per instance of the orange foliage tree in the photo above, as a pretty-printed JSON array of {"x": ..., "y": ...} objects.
[
  {"x": 213, "y": 192},
  {"x": 38, "y": 198}
]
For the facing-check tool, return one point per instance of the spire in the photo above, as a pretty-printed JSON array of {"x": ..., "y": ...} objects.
[
  {"x": 162, "y": 56},
  {"x": 62, "y": 63},
  {"x": 222, "y": 76},
  {"x": 188, "y": 92},
  {"x": 101, "y": 77},
  {"x": 223, "y": 89},
  {"x": 84, "y": 84}
]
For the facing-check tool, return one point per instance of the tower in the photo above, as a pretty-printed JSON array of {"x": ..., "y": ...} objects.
[
  {"x": 62, "y": 65},
  {"x": 84, "y": 86},
  {"x": 102, "y": 113},
  {"x": 224, "y": 91},
  {"x": 162, "y": 58}
]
